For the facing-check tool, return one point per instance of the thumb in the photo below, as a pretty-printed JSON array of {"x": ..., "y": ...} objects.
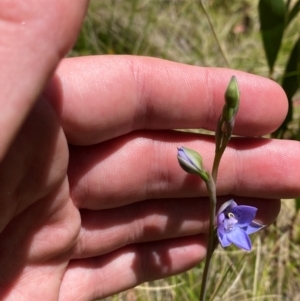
[{"x": 34, "y": 36}]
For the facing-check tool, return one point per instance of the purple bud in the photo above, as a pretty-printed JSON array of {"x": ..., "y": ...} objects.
[{"x": 191, "y": 162}]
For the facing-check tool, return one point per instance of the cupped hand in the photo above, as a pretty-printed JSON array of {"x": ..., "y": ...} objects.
[{"x": 93, "y": 200}]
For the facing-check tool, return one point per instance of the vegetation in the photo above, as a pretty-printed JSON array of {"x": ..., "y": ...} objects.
[{"x": 223, "y": 33}]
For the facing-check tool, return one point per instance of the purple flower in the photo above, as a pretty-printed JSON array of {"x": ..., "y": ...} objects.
[{"x": 235, "y": 224}]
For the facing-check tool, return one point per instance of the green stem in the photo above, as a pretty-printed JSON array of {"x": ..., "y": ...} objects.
[
  {"x": 211, "y": 188},
  {"x": 217, "y": 160}
]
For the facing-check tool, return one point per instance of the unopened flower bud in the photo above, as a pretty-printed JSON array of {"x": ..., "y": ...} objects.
[
  {"x": 232, "y": 99},
  {"x": 227, "y": 119},
  {"x": 191, "y": 162}
]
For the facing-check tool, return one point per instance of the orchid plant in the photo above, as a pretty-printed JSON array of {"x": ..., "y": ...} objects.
[{"x": 234, "y": 222}]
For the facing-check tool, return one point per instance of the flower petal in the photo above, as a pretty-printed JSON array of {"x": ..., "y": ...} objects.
[
  {"x": 239, "y": 238},
  {"x": 244, "y": 214},
  {"x": 220, "y": 219},
  {"x": 227, "y": 206},
  {"x": 253, "y": 227},
  {"x": 222, "y": 236}
]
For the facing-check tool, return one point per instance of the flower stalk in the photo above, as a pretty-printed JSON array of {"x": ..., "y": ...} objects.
[
  {"x": 234, "y": 223},
  {"x": 223, "y": 134},
  {"x": 211, "y": 189}
]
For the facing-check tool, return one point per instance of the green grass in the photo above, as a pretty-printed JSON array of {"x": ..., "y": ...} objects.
[{"x": 179, "y": 30}]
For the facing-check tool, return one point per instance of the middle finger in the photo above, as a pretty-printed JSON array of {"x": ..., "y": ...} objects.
[{"x": 143, "y": 165}]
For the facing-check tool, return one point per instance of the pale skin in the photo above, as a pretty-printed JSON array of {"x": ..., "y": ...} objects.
[{"x": 93, "y": 200}]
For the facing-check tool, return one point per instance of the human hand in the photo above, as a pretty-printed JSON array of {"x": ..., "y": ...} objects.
[{"x": 125, "y": 212}]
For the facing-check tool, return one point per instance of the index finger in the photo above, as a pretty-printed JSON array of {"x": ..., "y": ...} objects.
[{"x": 102, "y": 97}]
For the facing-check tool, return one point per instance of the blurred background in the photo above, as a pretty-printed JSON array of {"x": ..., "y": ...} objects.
[{"x": 216, "y": 33}]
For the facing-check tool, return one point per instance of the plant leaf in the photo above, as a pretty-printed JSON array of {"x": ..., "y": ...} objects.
[
  {"x": 291, "y": 76},
  {"x": 291, "y": 80},
  {"x": 293, "y": 13},
  {"x": 272, "y": 23}
]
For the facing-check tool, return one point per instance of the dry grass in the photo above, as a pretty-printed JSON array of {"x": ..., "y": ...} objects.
[{"x": 179, "y": 30}]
